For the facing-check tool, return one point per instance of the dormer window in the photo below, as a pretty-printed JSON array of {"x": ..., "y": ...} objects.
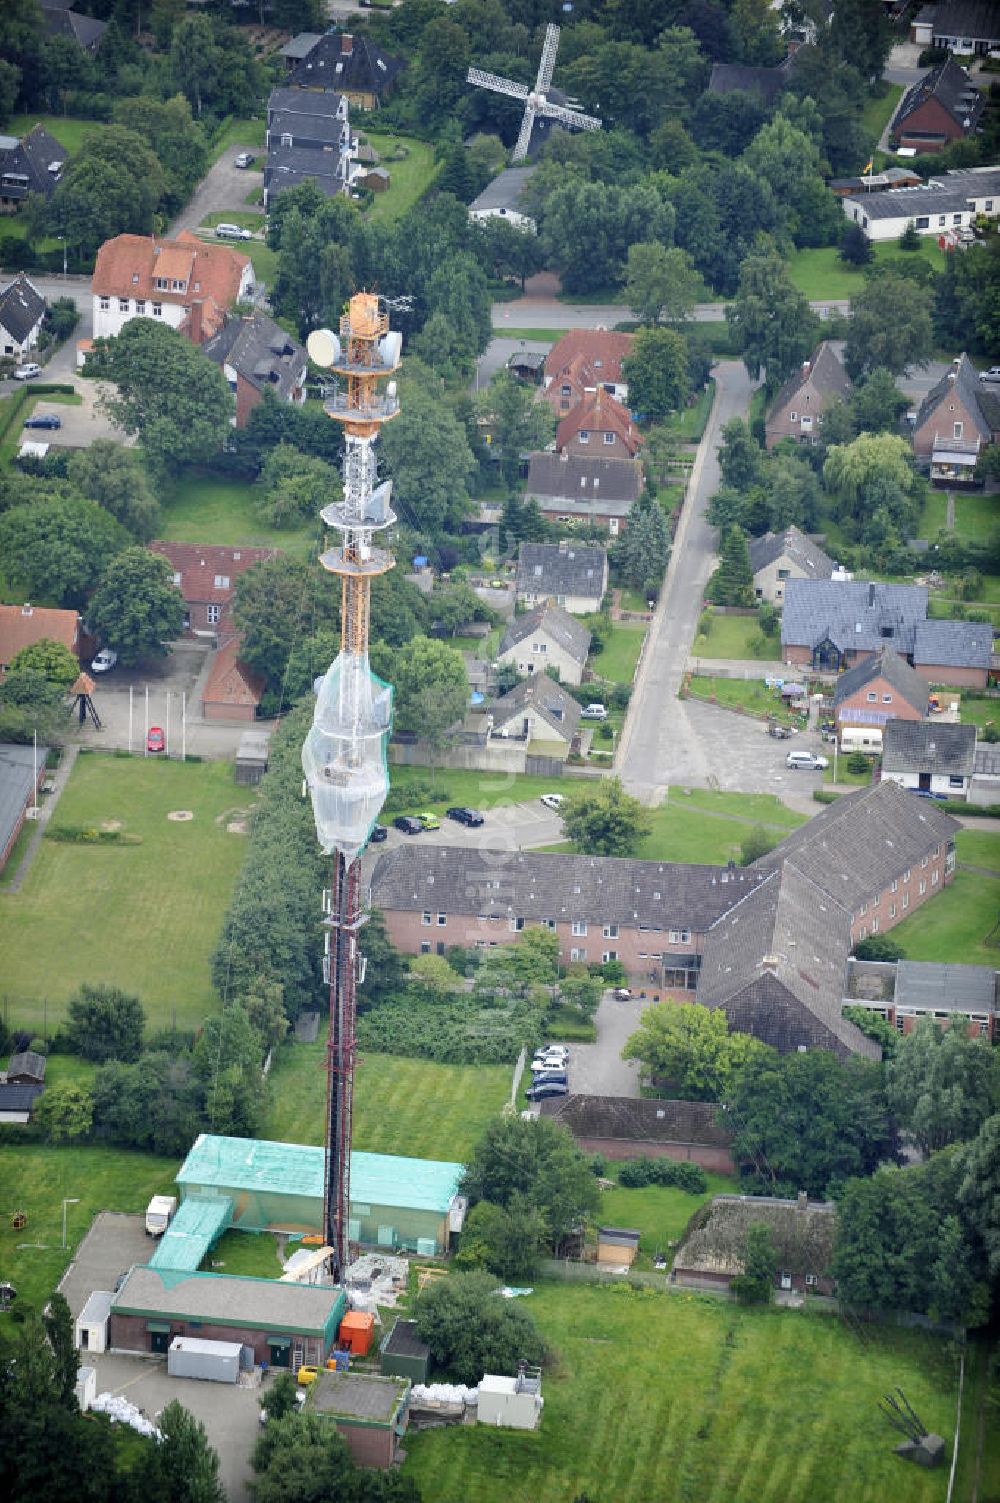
[{"x": 609, "y": 438}]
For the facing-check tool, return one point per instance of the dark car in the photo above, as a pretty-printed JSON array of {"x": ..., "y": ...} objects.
[
  {"x": 549, "y": 1077},
  {"x": 409, "y": 824},
  {"x": 465, "y": 816},
  {"x": 378, "y": 834},
  {"x": 46, "y": 420},
  {"x": 545, "y": 1090}
]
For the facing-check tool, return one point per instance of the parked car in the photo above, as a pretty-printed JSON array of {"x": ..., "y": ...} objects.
[
  {"x": 44, "y": 420},
  {"x": 429, "y": 821},
  {"x": 378, "y": 834},
  {"x": 991, "y": 375},
  {"x": 155, "y": 739},
  {"x": 555, "y": 1072},
  {"x": 104, "y": 661},
  {"x": 549, "y": 1049},
  {"x": 409, "y": 824},
  {"x": 594, "y": 712},
  {"x": 232, "y": 232},
  {"x": 554, "y": 1061},
  {"x": 546, "y": 1090},
  {"x": 27, "y": 372},
  {"x": 805, "y": 761},
  {"x": 244, "y": 159},
  {"x": 552, "y": 800},
  {"x": 622, "y": 994},
  {"x": 779, "y": 732},
  {"x": 463, "y": 816}
]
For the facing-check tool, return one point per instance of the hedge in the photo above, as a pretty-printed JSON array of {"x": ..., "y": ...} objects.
[{"x": 636, "y": 1173}]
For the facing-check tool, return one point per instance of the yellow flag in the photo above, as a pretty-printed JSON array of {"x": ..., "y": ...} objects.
[{"x": 869, "y": 167}]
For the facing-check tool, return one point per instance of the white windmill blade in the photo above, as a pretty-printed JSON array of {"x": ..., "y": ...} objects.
[
  {"x": 575, "y": 119},
  {"x": 524, "y": 135},
  {"x": 496, "y": 83},
  {"x": 547, "y": 63}
]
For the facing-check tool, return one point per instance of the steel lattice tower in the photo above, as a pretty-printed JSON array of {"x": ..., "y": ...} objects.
[{"x": 344, "y": 756}]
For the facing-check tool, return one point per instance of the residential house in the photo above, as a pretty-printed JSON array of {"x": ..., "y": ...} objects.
[
  {"x": 778, "y": 557},
  {"x": 930, "y": 756},
  {"x": 17, "y": 1102},
  {"x": 831, "y": 624},
  {"x": 957, "y": 419},
  {"x": 797, "y": 411},
  {"x": 501, "y": 199},
  {"x": 907, "y": 992},
  {"x": 583, "y": 360},
  {"x": 880, "y": 688},
  {"x": 22, "y": 772},
  {"x": 625, "y": 1127},
  {"x": 232, "y": 690},
  {"x": 61, "y": 21},
  {"x": 598, "y": 422},
  {"x": 587, "y": 488},
  {"x": 965, "y": 26},
  {"x": 954, "y": 652},
  {"x": 206, "y": 575},
  {"x": 24, "y": 625},
  {"x": 308, "y": 140},
  {"x": 26, "y": 1068},
  {"x": 941, "y": 107},
  {"x": 353, "y": 66},
  {"x": 188, "y": 283},
  {"x": 945, "y": 206},
  {"x": 729, "y": 78},
  {"x": 22, "y": 313},
  {"x": 652, "y": 916},
  {"x": 573, "y": 575},
  {"x": 257, "y": 356},
  {"x": 547, "y": 637},
  {"x": 32, "y": 163},
  {"x": 539, "y": 712},
  {"x": 713, "y": 1251}
]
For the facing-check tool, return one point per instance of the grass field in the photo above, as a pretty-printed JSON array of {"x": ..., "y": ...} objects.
[
  {"x": 205, "y": 509},
  {"x": 730, "y": 637},
  {"x": 954, "y": 925},
  {"x": 981, "y": 712},
  {"x": 621, "y": 654},
  {"x": 689, "y": 425},
  {"x": 67, "y": 131},
  {"x": 976, "y": 516},
  {"x": 819, "y": 272},
  {"x": 409, "y": 178},
  {"x": 478, "y": 790},
  {"x": 36, "y": 1179},
  {"x": 681, "y": 1399},
  {"x": 241, "y": 1254},
  {"x": 706, "y": 826},
  {"x": 239, "y": 135},
  {"x": 409, "y": 1106},
  {"x": 879, "y": 108},
  {"x": 979, "y": 848},
  {"x": 749, "y": 693},
  {"x": 247, "y": 219},
  {"x": 659, "y": 1213},
  {"x": 145, "y": 917}
]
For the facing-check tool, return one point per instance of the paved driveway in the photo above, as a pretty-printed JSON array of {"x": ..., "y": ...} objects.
[
  {"x": 224, "y": 188},
  {"x": 111, "y": 1246},
  {"x": 712, "y": 747},
  {"x": 598, "y": 1069},
  {"x": 80, "y": 425}
]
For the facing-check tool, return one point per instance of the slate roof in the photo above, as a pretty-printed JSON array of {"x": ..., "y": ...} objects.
[
  {"x": 946, "y": 988},
  {"x": 824, "y": 371},
  {"x": 854, "y": 847},
  {"x": 911, "y": 746},
  {"x": 561, "y": 569},
  {"x": 225, "y": 1299},
  {"x": 775, "y": 964},
  {"x": 563, "y": 629},
  {"x": 310, "y": 106},
  {"x": 23, "y": 625},
  {"x": 987, "y": 764},
  {"x": 953, "y": 644},
  {"x": 60, "y": 21},
  {"x": 978, "y": 19},
  {"x": 543, "y": 695},
  {"x": 301, "y": 45},
  {"x": 504, "y": 192},
  {"x": 962, "y": 381},
  {"x": 796, "y": 546},
  {"x": 261, "y": 352},
  {"x": 896, "y": 671},
  {"x": 582, "y": 485},
  {"x": 17, "y": 779},
  {"x": 602, "y": 351},
  {"x": 31, "y": 157},
  {"x": 287, "y": 166},
  {"x": 29, "y": 1063},
  {"x": 19, "y": 1098},
  {"x": 21, "y": 308},
  {"x": 352, "y": 64},
  {"x": 325, "y": 128},
  {"x": 853, "y": 613},
  {"x": 716, "y": 1239},
  {"x": 199, "y": 564},
  {"x": 599, "y": 412},
  {"x": 535, "y": 885},
  {"x": 951, "y": 87},
  {"x": 639, "y": 1121}
]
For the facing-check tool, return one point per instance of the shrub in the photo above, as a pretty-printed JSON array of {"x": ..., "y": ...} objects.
[
  {"x": 858, "y": 762},
  {"x": 683, "y": 1175}
]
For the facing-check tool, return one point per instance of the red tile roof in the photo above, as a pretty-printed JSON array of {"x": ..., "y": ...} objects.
[
  {"x": 599, "y": 412},
  {"x": 127, "y": 265},
  {"x": 24, "y": 625},
  {"x": 200, "y": 564},
  {"x": 604, "y": 345},
  {"x": 231, "y": 682}
]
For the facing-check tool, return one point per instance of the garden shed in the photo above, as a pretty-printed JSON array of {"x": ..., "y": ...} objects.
[
  {"x": 370, "y": 1412},
  {"x": 403, "y": 1355},
  {"x": 617, "y": 1245},
  {"x": 92, "y": 1322}
]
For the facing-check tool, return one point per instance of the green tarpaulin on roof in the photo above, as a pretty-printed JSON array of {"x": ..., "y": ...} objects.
[{"x": 197, "y": 1226}]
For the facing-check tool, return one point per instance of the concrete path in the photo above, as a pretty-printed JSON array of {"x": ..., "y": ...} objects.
[{"x": 45, "y": 810}]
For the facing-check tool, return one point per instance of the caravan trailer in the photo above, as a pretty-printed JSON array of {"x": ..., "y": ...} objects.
[{"x": 861, "y": 738}]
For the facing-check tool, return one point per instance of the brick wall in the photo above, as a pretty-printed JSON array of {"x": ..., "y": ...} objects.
[
  {"x": 129, "y": 1333},
  {"x": 968, "y": 678},
  {"x": 369, "y": 1445},
  {"x": 716, "y": 1160},
  {"x": 897, "y": 707},
  {"x": 907, "y": 897}
]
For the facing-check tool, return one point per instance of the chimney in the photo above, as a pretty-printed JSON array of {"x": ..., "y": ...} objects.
[
  {"x": 196, "y": 332},
  {"x": 806, "y": 368},
  {"x": 769, "y": 963},
  {"x": 871, "y": 595},
  {"x": 346, "y": 44}
]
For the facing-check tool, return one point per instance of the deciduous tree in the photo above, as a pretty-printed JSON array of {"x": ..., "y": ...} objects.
[
  {"x": 115, "y": 476},
  {"x": 656, "y": 372},
  {"x": 431, "y": 688},
  {"x": 517, "y": 423},
  {"x": 942, "y": 1085},
  {"x": 772, "y": 324},
  {"x": 661, "y": 282},
  {"x": 52, "y": 659},
  {"x": 184, "y": 1467},
  {"x": 604, "y": 820},
  {"x": 64, "y": 1112},
  {"x": 59, "y": 547},
  {"x": 103, "y": 1022},
  {"x": 426, "y": 452},
  {"x": 890, "y": 326},
  {"x": 111, "y": 186},
  {"x": 137, "y": 609},
  {"x": 691, "y": 1047}
]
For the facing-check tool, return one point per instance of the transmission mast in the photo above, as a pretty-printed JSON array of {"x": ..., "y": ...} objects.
[{"x": 344, "y": 756}]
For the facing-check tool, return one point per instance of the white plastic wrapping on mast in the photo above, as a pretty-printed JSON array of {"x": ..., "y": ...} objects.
[{"x": 345, "y": 754}]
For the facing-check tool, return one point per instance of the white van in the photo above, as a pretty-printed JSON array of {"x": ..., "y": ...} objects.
[
  {"x": 595, "y": 712},
  {"x": 856, "y": 738}
]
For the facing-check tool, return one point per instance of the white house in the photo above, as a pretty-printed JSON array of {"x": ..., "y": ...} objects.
[
  {"x": 501, "y": 199},
  {"x": 944, "y": 206},
  {"x": 548, "y": 637},
  {"x": 929, "y": 757},
  {"x": 575, "y": 576},
  {"x": 187, "y": 283},
  {"x": 22, "y": 311}
]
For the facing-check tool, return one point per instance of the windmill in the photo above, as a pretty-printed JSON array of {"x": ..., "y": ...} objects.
[{"x": 536, "y": 100}]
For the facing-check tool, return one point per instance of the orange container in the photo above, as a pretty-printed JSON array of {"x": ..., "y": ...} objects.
[{"x": 357, "y": 1332}]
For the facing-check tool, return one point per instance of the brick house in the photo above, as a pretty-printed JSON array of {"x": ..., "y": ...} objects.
[
  {"x": 206, "y": 575},
  {"x": 232, "y": 690},
  {"x": 957, "y": 419},
  {"x": 777, "y": 557},
  {"x": 24, "y": 625},
  {"x": 547, "y": 637},
  {"x": 831, "y": 624},
  {"x": 880, "y": 688},
  {"x": 797, "y": 410},
  {"x": 908, "y": 992},
  {"x": 713, "y": 1249},
  {"x": 188, "y": 283},
  {"x": 258, "y": 356},
  {"x": 599, "y": 423},
  {"x": 942, "y": 106},
  {"x": 586, "y": 488},
  {"x": 571, "y": 574},
  {"x": 930, "y": 756},
  {"x": 623, "y": 1127},
  {"x": 958, "y": 653},
  {"x": 584, "y": 361},
  {"x": 22, "y": 313}
]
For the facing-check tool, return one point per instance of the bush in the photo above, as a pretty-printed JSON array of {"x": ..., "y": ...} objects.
[
  {"x": 470, "y": 1331},
  {"x": 453, "y": 1031},
  {"x": 637, "y": 1173},
  {"x": 858, "y": 762},
  {"x": 826, "y": 795}
]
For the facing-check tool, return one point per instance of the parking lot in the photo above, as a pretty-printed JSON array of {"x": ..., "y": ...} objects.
[
  {"x": 80, "y": 425},
  {"x": 598, "y": 1069},
  {"x": 110, "y": 1248}
]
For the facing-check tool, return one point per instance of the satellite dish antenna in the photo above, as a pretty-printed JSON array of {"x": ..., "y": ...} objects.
[{"x": 324, "y": 347}]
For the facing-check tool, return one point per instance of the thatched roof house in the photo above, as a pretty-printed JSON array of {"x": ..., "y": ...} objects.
[{"x": 713, "y": 1249}]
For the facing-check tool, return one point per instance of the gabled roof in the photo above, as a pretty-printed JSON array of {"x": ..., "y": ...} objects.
[
  {"x": 37, "y": 157},
  {"x": 19, "y": 767},
  {"x": 536, "y": 885},
  {"x": 824, "y": 372},
  {"x": 601, "y": 352},
  {"x": 767, "y": 82},
  {"x": 543, "y": 695},
  {"x": 352, "y": 64},
  {"x": 28, "y": 1062},
  {"x": 301, "y": 45},
  {"x": 60, "y": 21},
  {"x": 308, "y": 106},
  {"x": 23, "y": 625},
  {"x": 910, "y": 746},
  {"x": 200, "y": 564},
  {"x": 599, "y": 412},
  {"x": 962, "y": 382},
  {"x": 951, "y": 87},
  {"x": 128, "y": 265},
  {"x": 504, "y": 192},
  {"x": 803, "y": 1234},
  {"x": 953, "y": 644},
  {"x": 261, "y": 352},
  {"x": 584, "y": 484},
  {"x": 550, "y": 619},
  {"x": 640, "y": 1120},
  {"x": 19, "y": 1098},
  {"x": 896, "y": 671},
  {"x": 976, "y": 19},
  {"x": 855, "y": 614},
  {"x": 22, "y": 307},
  {"x": 791, "y": 544},
  {"x": 287, "y": 166},
  {"x": 561, "y": 569},
  {"x": 230, "y": 682}
]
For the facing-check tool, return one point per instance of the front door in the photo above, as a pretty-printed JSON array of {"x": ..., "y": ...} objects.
[
  {"x": 924, "y": 782},
  {"x": 159, "y": 1342}
]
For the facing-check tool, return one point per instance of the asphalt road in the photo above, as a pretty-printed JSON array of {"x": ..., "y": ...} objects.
[{"x": 548, "y": 313}]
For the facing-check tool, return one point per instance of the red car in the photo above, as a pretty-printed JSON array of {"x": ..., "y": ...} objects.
[{"x": 155, "y": 740}]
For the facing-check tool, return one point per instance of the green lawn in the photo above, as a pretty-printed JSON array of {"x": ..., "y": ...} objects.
[
  {"x": 145, "y": 917},
  {"x": 36, "y": 1179},
  {"x": 409, "y": 178},
  {"x": 953, "y": 926},
  {"x": 413, "y": 1107},
  {"x": 979, "y": 848},
  {"x": 981, "y": 712},
  {"x": 748, "y": 693},
  {"x": 681, "y": 1399},
  {"x": 689, "y": 424},
  {"x": 658, "y": 1212},
  {"x": 478, "y": 790},
  {"x": 819, "y": 272},
  {"x": 879, "y": 108},
  {"x": 247, "y": 219},
  {"x": 704, "y": 826},
  {"x": 240, "y": 135},
  {"x": 245, "y": 1255},
  {"x": 976, "y": 515},
  {"x": 539, "y": 336},
  {"x": 68, "y": 132},
  {"x": 730, "y": 637},
  {"x": 205, "y": 509},
  {"x": 621, "y": 654}
]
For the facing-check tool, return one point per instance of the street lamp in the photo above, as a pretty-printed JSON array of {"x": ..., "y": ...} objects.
[
  {"x": 63, "y": 239},
  {"x": 72, "y": 1200}
]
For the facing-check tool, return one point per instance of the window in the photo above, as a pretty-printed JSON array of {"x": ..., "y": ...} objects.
[
  {"x": 807, "y": 422},
  {"x": 105, "y": 303},
  {"x": 539, "y": 647},
  {"x": 793, "y": 417},
  {"x": 177, "y": 578},
  {"x": 547, "y": 923},
  {"x": 872, "y": 697},
  {"x": 609, "y": 438},
  {"x": 222, "y": 581},
  {"x": 140, "y": 305},
  {"x": 784, "y": 573},
  {"x": 157, "y": 310},
  {"x": 425, "y": 918},
  {"x": 863, "y": 908},
  {"x": 680, "y": 936},
  {"x": 442, "y": 920},
  {"x": 161, "y": 283},
  {"x": 956, "y": 219},
  {"x": 875, "y": 924},
  {"x": 864, "y": 933},
  {"x": 934, "y": 878},
  {"x": 989, "y": 205},
  {"x": 178, "y": 286},
  {"x": 906, "y": 875},
  {"x": 922, "y": 222},
  {"x": 213, "y": 614},
  {"x": 584, "y": 436},
  {"x": 892, "y": 910},
  {"x": 577, "y": 954},
  {"x": 613, "y": 526},
  {"x": 810, "y": 1281},
  {"x": 579, "y": 928},
  {"x": 124, "y": 305},
  {"x": 609, "y": 955},
  {"x": 425, "y": 947},
  {"x": 942, "y": 220},
  {"x": 923, "y": 886},
  {"x": 565, "y": 391},
  {"x": 906, "y": 901},
  {"x": 887, "y": 699},
  {"x": 958, "y": 430},
  {"x": 610, "y": 931},
  {"x": 893, "y": 885}
]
